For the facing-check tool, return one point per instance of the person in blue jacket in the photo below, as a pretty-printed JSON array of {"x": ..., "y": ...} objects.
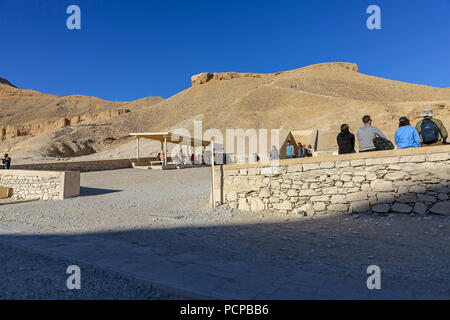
[{"x": 406, "y": 135}]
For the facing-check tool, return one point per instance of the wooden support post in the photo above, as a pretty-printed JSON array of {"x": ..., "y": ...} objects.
[
  {"x": 165, "y": 150},
  {"x": 137, "y": 151},
  {"x": 213, "y": 198}
]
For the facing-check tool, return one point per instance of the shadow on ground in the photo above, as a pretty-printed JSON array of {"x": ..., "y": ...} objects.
[{"x": 87, "y": 192}]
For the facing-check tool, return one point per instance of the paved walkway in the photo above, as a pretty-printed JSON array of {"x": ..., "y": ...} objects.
[{"x": 192, "y": 276}]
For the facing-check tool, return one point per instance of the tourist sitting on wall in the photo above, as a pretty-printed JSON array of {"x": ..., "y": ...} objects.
[
  {"x": 366, "y": 134},
  {"x": 301, "y": 151},
  {"x": 346, "y": 140},
  {"x": 289, "y": 150},
  {"x": 6, "y": 161},
  {"x": 431, "y": 131},
  {"x": 406, "y": 136},
  {"x": 309, "y": 151},
  {"x": 163, "y": 158}
]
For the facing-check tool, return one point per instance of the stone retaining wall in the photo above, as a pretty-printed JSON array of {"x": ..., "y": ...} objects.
[
  {"x": 403, "y": 181},
  {"x": 85, "y": 166},
  {"x": 41, "y": 185}
]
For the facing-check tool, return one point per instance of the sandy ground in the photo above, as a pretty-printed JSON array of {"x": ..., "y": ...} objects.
[
  {"x": 31, "y": 276},
  {"x": 169, "y": 210}
]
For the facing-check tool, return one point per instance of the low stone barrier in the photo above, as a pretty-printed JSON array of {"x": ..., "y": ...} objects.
[
  {"x": 41, "y": 185},
  {"x": 81, "y": 166},
  {"x": 403, "y": 181}
]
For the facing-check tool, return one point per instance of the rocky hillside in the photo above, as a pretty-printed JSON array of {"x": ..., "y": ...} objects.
[{"x": 322, "y": 96}]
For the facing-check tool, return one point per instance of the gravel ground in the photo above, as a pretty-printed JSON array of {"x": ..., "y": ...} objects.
[
  {"x": 31, "y": 276},
  {"x": 169, "y": 212}
]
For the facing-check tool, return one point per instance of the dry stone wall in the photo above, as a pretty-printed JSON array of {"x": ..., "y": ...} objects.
[
  {"x": 399, "y": 183},
  {"x": 41, "y": 185}
]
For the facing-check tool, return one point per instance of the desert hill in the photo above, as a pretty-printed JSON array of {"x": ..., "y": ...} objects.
[{"x": 322, "y": 96}]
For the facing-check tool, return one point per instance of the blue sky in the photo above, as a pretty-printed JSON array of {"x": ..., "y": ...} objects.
[{"x": 131, "y": 49}]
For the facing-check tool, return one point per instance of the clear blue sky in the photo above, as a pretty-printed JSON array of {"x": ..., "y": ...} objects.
[{"x": 132, "y": 49}]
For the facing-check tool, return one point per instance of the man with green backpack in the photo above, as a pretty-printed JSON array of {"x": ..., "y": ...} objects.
[{"x": 432, "y": 131}]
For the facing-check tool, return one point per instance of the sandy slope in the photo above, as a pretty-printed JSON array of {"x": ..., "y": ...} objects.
[{"x": 322, "y": 96}]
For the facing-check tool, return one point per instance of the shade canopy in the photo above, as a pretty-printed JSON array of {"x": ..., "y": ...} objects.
[{"x": 171, "y": 138}]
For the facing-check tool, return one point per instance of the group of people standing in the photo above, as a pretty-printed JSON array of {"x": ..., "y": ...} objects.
[
  {"x": 302, "y": 152},
  {"x": 428, "y": 131}
]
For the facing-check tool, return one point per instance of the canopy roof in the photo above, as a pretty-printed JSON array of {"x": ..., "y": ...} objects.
[{"x": 171, "y": 138}]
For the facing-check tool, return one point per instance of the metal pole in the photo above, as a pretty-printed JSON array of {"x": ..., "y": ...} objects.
[{"x": 212, "y": 176}]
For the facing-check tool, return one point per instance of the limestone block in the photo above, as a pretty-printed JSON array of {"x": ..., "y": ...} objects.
[
  {"x": 285, "y": 205},
  {"x": 256, "y": 205},
  {"x": 295, "y": 168},
  {"x": 232, "y": 196},
  {"x": 243, "y": 204},
  {"x": 394, "y": 176},
  {"x": 292, "y": 193},
  {"x": 443, "y": 196},
  {"x": 381, "y": 208},
  {"x": 339, "y": 199},
  {"x": 357, "y": 163},
  {"x": 319, "y": 199},
  {"x": 308, "y": 193},
  {"x": 310, "y": 166},
  {"x": 327, "y": 165},
  {"x": 407, "y": 198},
  {"x": 342, "y": 164},
  {"x": 305, "y": 210},
  {"x": 264, "y": 193},
  {"x": 438, "y": 156},
  {"x": 381, "y": 185},
  {"x": 358, "y": 196},
  {"x": 417, "y": 189},
  {"x": 319, "y": 207},
  {"x": 413, "y": 159},
  {"x": 360, "y": 206},
  {"x": 442, "y": 208},
  {"x": 274, "y": 199},
  {"x": 275, "y": 185},
  {"x": 386, "y": 197},
  {"x": 426, "y": 198},
  {"x": 331, "y": 190},
  {"x": 254, "y": 171},
  {"x": 346, "y": 177},
  {"x": 420, "y": 208},
  {"x": 337, "y": 208},
  {"x": 375, "y": 161},
  {"x": 401, "y": 208},
  {"x": 358, "y": 179}
]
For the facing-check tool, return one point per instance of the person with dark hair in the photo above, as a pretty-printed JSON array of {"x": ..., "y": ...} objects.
[
  {"x": 309, "y": 151},
  {"x": 6, "y": 161},
  {"x": 289, "y": 150},
  {"x": 366, "y": 134},
  {"x": 301, "y": 151},
  {"x": 346, "y": 140},
  {"x": 406, "y": 135}
]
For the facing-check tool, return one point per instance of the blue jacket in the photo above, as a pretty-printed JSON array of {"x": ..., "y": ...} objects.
[
  {"x": 290, "y": 151},
  {"x": 407, "y": 137}
]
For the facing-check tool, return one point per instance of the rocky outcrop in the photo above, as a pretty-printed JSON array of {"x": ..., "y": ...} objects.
[
  {"x": 38, "y": 127},
  {"x": 6, "y": 82},
  {"x": 202, "y": 78}
]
